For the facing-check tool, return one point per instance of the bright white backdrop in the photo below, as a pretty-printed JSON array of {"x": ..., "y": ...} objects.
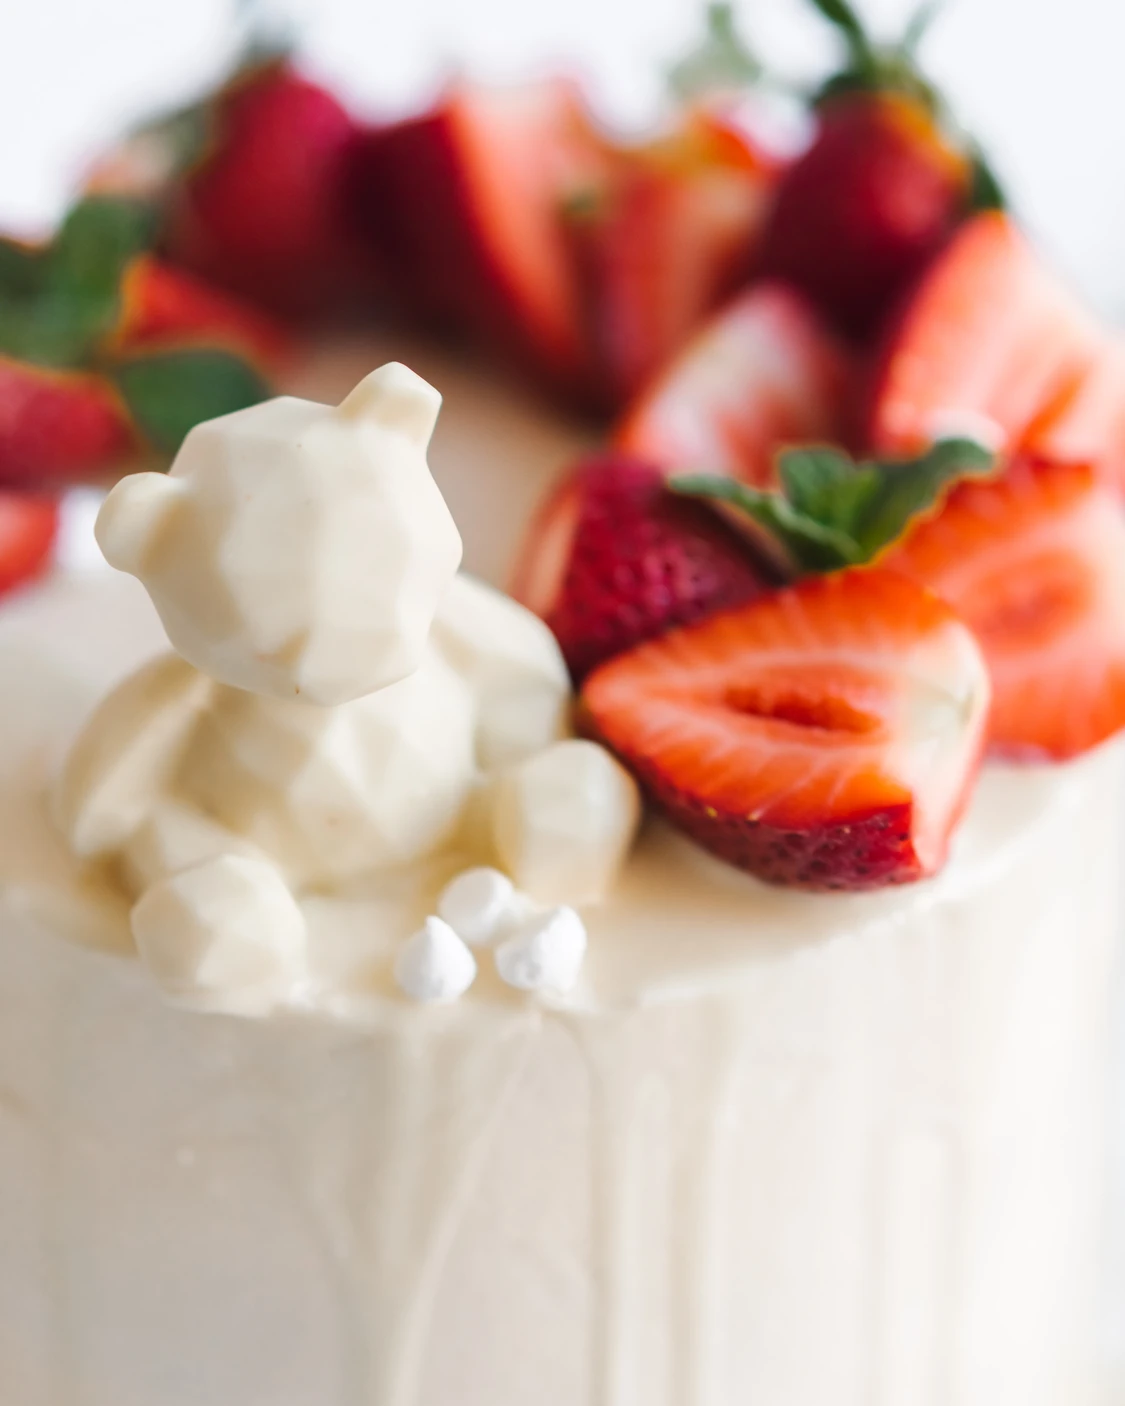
[{"x": 1038, "y": 80}]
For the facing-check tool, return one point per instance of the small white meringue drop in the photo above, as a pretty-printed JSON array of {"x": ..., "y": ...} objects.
[
  {"x": 479, "y": 905},
  {"x": 434, "y": 964},
  {"x": 545, "y": 953}
]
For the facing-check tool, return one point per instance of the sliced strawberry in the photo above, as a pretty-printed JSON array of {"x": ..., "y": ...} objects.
[
  {"x": 990, "y": 336},
  {"x": 59, "y": 426},
  {"x": 1086, "y": 424},
  {"x": 28, "y": 524},
  {"x": 671, "y": 232},
  {"x": 863, "y": 211},
  {"x": 464, "y": 204},
  {"x": 761, "y": 374},
  {"x": 825, "y": 736},
  {"x": 614, "y": 558},
  {"x": 163, "y": 306},
  {"x": 1035, "y": 565}
]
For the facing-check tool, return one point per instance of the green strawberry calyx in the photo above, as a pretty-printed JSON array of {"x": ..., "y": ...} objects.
[{"x": 831, "y": 512}]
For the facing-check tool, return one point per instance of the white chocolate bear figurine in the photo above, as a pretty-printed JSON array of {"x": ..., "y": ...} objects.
[{"x": 340, "y": 700}]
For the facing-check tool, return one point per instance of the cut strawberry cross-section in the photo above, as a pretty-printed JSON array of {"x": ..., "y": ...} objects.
[
  {"x": 614, "y": 558},
  {"x": 990, "y": 340},
  {"x": 1035, "y": 565},
  {"x": 762, "y": 373},
  {"x": 669, "y": 233},
  {"x": 825, "y": 736},
  {"x": 464, "y": 203}
]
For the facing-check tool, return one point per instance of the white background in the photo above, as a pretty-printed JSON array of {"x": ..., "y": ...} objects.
[{"x": 1039, "y": 80}]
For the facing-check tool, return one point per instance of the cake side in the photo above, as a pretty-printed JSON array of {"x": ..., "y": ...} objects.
[{"x": 888, "y": 1110}]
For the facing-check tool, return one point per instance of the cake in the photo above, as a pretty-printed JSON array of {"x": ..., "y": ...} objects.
[
  {"x": 761, "y": 1121},
  {"x": 682, "y": 980}
]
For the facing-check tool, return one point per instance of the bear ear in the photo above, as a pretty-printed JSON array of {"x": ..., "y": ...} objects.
[
  {"x": 133, "y": 517},
  {"x": 397, "y": 399}
]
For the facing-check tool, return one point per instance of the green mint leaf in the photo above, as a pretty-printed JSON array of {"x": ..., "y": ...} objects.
[
  {"x": 905, "y": 489},
  {"x": 55, "y": 303},
  {"x": 811, "y": 545},
  {"x": 721, "y": 63},
  {"x": 823, "y": 483},
  {"x": 170, "y": 392},
  {"x": 21, "y": 269},
  {"x": 97, "y": 240}
]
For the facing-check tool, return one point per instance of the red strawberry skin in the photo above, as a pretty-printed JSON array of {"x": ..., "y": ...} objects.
[
  {"x": 1035, "y": 565},
  {"x": 824, "y": 737},
  {"x": 860, "y": 215},
  {"x": 464, "y": 207},
  {"x": 615, "y": 558},
  {"x": 28, "y": 526},
  {"x": 761, "y": 373},
  {"x": 263, "y": 212},
  {"x": 60, "y": 426},
  {"x": 163, "y": 306}
]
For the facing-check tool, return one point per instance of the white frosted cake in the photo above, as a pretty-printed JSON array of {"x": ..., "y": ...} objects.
[{"x": 766, "y": 1145}]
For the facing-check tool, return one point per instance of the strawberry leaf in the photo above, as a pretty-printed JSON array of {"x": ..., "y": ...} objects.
[
  {"x": 721, "y": 63},
  {"x": 56, "y": 302},
  {"x": 169, "y": 393},
  {"x": 831, "y": 512}
]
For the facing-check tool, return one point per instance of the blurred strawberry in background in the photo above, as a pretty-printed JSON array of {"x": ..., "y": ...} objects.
[
  {"x": 109, "y": 356},
  {"x": 884, "y": 183}
]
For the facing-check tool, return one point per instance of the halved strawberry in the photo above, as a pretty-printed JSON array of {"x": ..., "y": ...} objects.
[
  {"x": 1086, "y": 424},
  {"x": 1035, "y": 565},
  {"x": 614, "y": 558},
  {"x": 464, "y": 205},
  {"x": 28, "y": 525},
  {"x": 163, "y": 306},
  {"x": 762, "y": 373},
  {"x": 989, "y": 336},
  {"x": 60, "y": 426},
  {"x": 825, "y": 737},
  {"x": 671, "y": 230}
]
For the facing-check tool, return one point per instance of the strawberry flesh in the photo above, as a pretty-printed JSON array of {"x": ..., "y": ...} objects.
[
  {"x": 990, "y": 337},
  {"x": 614, "y": 558},
  {"x": 59, "y": 426},
  {"x": 762, "y": 373},
  {"x": 671, "y": 233},
  {"x": 1035, "y": 565},
  {"x": 28, "y": 526},
  {"x": 824, "y": 737},
  {"x": 464, "y": 204}
]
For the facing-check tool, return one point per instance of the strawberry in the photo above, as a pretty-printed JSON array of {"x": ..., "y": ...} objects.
[
  {"x": 1086, "y": 421},
  {"x": 463, "y": 204},
  {"x": 990, "y": 335},
  {"x": 262, "y": 208},
  {"x": 58, "y": 426},
  {"x": 1035, "y": 565},
  {"x": 761, "y": 373},
  {"x": 879, "y": 190},
  {"x": 28, "y": 525},
  {"x": 669, "y": 232},
  {"x": 162, "y": 306},
  {"x": 825, "y": 736},
  {"x": 614, "y": 558}
]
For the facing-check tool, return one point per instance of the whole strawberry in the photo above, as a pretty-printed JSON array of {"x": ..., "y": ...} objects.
[
  {"x": 261, "y": 208},
  {"x": 614, "y": 558},
  {"x": 878, "y": 192}
]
